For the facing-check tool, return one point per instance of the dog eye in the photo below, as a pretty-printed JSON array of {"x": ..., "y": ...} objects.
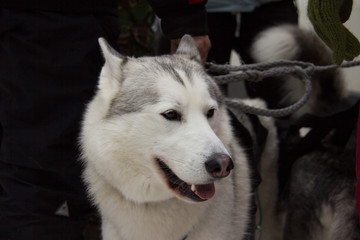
[
  {"x": 210, "y": 113},
  {"x": 172, "y": 115}
]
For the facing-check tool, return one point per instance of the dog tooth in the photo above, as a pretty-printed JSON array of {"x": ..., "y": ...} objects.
[{"x": 193, "y": 187}]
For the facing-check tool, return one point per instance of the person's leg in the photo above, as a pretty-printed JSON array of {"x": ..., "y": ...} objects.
[{"x": 221, "y": 34}]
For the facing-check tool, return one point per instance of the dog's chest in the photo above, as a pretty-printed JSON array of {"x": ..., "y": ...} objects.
[
  {"x": 170, "y": 220},
  {"x": 179, "y": 220}
]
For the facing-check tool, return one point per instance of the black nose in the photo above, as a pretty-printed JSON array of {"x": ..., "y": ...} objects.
[{"x": 219, "y": 165}]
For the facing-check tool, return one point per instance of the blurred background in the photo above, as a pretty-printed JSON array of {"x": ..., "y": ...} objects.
[{"x": 352, "y": 75}]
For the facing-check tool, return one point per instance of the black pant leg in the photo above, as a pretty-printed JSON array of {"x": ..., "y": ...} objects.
[
  {"x": 49, "y": 68},
  {"x": 221, "y": 34},
  {"x": 267, "y": 15}
]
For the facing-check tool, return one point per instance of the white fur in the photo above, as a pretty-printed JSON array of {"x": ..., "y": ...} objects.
[
  {"x": 275, "y": 43},
  {"x": 119, "y": 153}
]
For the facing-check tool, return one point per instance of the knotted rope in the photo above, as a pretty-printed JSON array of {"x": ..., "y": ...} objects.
[{"x": 224, "y": 74}]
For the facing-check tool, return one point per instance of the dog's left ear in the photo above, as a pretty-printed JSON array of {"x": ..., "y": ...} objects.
[{"x": 188, "y": 48}]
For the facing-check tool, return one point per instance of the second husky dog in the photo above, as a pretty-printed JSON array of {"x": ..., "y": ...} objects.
[
  {"x": 161, "y": 161},
  {"x": 317, "y": 167}
]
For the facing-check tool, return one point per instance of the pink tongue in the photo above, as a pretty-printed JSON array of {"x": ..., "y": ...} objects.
[{"x": 205, "y": 191}]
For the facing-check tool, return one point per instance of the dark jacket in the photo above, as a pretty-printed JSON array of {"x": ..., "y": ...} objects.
[
  {"x": 181, "y": 16},
  {"x": 178, "y": 16}
]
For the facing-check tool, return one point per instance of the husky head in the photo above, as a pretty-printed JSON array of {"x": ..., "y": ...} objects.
[{"x": 157, "y": 127}]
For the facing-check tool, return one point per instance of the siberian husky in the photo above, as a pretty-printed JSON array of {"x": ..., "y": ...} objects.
[
  {"x": 161, "y": 160},
  {"x": 317, "y": 166}
]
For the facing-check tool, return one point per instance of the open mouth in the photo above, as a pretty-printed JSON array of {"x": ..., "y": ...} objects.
[{"x": 199, "y": 192}]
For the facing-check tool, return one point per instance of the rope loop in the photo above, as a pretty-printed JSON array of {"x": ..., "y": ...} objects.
[{"x": 224, "y": 74}]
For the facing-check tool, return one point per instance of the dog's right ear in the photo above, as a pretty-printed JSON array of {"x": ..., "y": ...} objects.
[
  {"x": 111, "y": 73},
  {"x": 113, "y": 59},
  {"x": 187, "y": 47}
]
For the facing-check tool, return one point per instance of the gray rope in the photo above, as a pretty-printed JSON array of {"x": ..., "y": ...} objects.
[{"x": 224, "y": 74}]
